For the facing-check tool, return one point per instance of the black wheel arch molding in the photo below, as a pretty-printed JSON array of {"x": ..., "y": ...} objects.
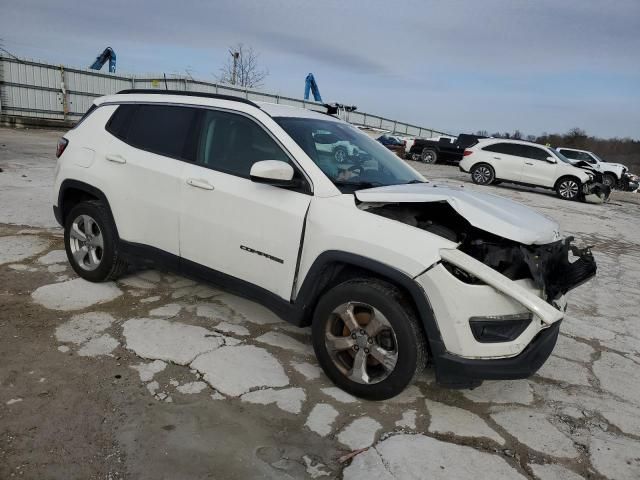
[{"x": 60, "y": 210}]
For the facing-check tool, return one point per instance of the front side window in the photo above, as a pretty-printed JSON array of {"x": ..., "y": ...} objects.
[
  {"x": 232, "y": 143},
  {"x": 534, "y": 153},
  {"x": 351, "y": 159}
]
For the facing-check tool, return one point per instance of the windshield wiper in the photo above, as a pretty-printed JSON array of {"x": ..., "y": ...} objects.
[
  {"x": 343, "y": 183},
  {"x": 410, "y": 182}
]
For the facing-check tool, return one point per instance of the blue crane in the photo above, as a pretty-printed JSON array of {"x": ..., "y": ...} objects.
[
  {"x": 107, "y": 54},
  {"x": 310, "y": 84}
]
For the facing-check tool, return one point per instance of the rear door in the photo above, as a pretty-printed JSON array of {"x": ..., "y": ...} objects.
[
  {"x": 144, "y": 162},
  {"x": 506, "y": 160},
  {"x": 230, "y": 224},
  {"x": 537, "y": 170}
]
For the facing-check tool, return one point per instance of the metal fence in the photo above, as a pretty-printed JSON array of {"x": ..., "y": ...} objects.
[{"x": 56, "y": 92}]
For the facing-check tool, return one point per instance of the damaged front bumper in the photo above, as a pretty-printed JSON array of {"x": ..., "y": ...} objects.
[
  {"x": 559, "y": 267},
  {"x": 495, "y": 327},
  {"x": 596, "y": 192}
]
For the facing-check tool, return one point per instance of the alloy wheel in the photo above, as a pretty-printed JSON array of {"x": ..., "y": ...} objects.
[
  {"x": 482, "y": 175},
  {"x": 568, "y": 189},
  {"x": 361, "y": 343},
  {"x": 86, "y": 242},
  {"x": 428, "y": 156}
]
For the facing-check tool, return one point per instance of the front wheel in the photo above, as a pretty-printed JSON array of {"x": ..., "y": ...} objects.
[
  {"x": 568, "y": 188},
  {"x": 91, "y": 242},
  {"x": 367, "y": 339},
  {"x": 482, "y": 174},
  {"x": 609, "y": 180}
]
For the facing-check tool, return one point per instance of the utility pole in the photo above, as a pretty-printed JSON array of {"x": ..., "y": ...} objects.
[{"x": 235, "y": 56}]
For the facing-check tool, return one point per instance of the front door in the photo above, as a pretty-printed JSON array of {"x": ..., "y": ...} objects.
[
  {"x": 537, "y": 169},
  {"x": 231, "y": 224}
]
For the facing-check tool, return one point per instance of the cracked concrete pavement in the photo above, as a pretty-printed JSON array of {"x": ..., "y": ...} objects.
[{"x": 158, "y": 376}]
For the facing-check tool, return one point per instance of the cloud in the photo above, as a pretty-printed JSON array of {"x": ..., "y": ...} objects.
[{"x": 459, "y": 64}]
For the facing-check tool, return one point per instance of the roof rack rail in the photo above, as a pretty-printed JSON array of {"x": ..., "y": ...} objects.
[{"x": 188, "y": 94}]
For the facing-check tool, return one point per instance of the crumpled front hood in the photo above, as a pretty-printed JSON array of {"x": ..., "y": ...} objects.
[
  {"x": 612, "y": 165},
  {"x": 491, "y": 213}
]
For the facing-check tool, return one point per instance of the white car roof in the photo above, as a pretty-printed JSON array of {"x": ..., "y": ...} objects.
[
  {"x": 194, "y": 98},
  {"x": 487, "y": 141},
  {"x": 279, "y": 110}
]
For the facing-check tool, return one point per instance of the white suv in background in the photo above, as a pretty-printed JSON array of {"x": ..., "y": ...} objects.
[
  {"x": 499, "y": 160},
  {"x": 388, "y": 269},
  {"x": 612, "y": 173}
]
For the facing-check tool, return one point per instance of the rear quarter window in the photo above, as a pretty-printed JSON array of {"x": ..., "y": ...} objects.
[{"x": 162, "y": 129}]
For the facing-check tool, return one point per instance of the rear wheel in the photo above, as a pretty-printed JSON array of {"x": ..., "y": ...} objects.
[
  {"x": 367, "y": 339},
  {"x": 482, "y": 174},
  {"x": 568, "y": 188},
  {"x": 91, "y": 242},
  {"x": 429, "y": 155}
]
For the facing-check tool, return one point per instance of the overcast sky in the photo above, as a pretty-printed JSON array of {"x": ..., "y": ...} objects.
[{"x": 457, "y": 66}]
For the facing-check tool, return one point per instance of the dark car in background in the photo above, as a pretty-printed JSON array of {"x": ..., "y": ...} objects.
[
  {"x": 442, "y": 149},
  {"x": 392, "y": 143}
]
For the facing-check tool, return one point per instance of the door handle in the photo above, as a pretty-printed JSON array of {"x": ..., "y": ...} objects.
[
  {"x": 497, "y": 158},
  {"x": 528, "y": 163},
  {"x": 116, "y": 158},
  {"x": 203, "y": 184}
]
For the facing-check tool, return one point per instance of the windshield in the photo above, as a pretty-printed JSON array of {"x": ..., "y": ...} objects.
[{"x": 350, "y": 158}]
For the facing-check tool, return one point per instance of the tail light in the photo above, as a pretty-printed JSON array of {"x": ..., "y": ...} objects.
[
  {"x": 467, "y": 153},
  {"x": 62, "y": 144}
]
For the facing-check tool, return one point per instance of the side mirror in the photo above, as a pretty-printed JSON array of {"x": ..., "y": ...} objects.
[
  {"x": 552, "y": 160},
  {"x": 272, "y": 172}
]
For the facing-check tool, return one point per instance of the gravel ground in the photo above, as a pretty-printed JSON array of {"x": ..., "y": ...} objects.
[{"x": 156, "y": 376}]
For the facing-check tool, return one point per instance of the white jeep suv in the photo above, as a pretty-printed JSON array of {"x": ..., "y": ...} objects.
[
  {"x": 497, "y": 160},
  {"x": 389, "y": 270},
  {"x": 613, "y": 174}
]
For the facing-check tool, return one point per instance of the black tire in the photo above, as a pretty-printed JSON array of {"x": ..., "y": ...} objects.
[
  {"x": 110, "y": 265},
  {"x": 407, "y": 337},
  {"x": 340, "y": 154},
  {"x": 429, "y": 155},
  {"x": 568, "y": 188},
  {"x": 482, "y": 174},
  {"x": 610, "y": 180}
]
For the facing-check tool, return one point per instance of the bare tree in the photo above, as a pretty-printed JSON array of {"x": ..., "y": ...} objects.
[{"x": 242, "y": 68}]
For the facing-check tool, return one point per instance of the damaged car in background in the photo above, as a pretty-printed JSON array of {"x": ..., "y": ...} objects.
[
  {"x": 494, "y": 160},
  {"x": 390, "y": 271}
]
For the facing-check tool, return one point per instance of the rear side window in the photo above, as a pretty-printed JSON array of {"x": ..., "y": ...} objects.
[
  {"x": 506, "y": 148},
  {"x": 163, "y": 129},
  {"x": 119, "y": 122}
]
